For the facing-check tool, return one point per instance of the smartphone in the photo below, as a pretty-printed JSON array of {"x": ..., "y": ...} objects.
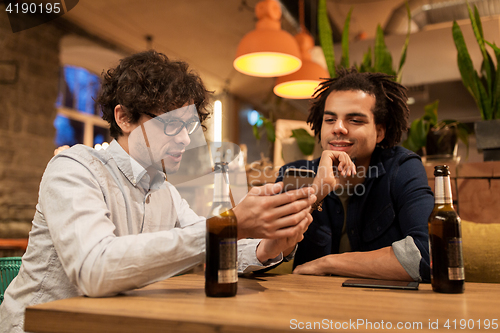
[
  {"x": 297, "y": 178},
  {"x": 385, "y": 284}
]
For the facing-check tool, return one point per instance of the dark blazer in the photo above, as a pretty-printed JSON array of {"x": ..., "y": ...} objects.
[{"x": 394, "y": 202}]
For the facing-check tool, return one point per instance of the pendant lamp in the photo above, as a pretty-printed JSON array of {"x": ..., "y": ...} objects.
[
  {"x": 267, "y": 51},
  {"x": 302, "y": 83}
]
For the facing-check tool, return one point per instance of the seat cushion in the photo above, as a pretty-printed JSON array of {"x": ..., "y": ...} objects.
[{"x": 481, "y": 251}]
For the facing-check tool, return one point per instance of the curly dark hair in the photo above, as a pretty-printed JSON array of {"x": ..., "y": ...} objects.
[
  {"x": 390, "y": 101},
  {"x": 150, "y": 82}
]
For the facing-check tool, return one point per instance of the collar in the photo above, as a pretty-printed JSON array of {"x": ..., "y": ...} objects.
[
  {"x": 376, "y": 168},
  {"x": 132, "y": 169}
]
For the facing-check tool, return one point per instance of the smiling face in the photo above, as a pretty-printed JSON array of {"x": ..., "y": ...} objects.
[
  {"x": 149, "y": 145},
  {"x": 349, "y": 125}
]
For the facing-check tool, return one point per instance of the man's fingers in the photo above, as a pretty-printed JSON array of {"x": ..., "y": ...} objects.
[
  {"x": 288, "y": 221},
  {"x": 290, "y": 196},
  {"x": 292, "y": 208},
  {"x": 296, "y": 230},
  {"x": 267, "y": 190}
]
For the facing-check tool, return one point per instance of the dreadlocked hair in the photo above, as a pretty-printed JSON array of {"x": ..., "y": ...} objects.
[{"x": 390, "y": 107}]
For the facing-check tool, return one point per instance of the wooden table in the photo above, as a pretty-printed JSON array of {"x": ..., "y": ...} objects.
[{"x": 271, "y": 303}]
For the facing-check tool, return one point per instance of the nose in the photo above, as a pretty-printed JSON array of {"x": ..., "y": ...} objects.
[
  {"x": 183, "y": 137},
  {"x": 339, "y": 128}
]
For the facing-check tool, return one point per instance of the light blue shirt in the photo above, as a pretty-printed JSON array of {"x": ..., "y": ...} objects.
[{"x": 100, "y": 228}]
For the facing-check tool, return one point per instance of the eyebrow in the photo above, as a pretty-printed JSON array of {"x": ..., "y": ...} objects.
[{"x": 351, "y": 114}]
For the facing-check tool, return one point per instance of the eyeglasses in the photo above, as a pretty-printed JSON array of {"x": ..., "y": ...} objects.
[{"x": 174, "y": 127}]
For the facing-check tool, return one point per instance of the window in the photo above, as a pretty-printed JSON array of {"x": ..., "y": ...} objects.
[{"x": 78, "y": 118}]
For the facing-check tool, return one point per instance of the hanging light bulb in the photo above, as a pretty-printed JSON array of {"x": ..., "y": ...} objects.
[
  {"x": 267, "y": 51},
  {"x": 302, "y": 83}
]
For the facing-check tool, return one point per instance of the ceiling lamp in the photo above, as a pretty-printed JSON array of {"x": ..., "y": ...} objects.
[
  {"x": 267, "y": 51},
  {"x": 302, "y": 83}
]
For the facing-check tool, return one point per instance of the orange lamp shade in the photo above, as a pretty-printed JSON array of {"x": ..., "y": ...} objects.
[
  {"x": 267, "y": 51},
  {"x": 301, "y": 84}
]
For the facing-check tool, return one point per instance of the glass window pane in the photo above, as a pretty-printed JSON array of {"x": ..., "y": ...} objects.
[
  {"x": 78, "y": 89},
  {"x": 68, "y": 131},
  {"x": 101, "y": 135}
]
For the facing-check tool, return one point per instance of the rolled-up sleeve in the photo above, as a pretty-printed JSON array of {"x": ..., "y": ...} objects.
[
  {"x": 414, "y": 202},
  {"x": 408, "y": 256}
]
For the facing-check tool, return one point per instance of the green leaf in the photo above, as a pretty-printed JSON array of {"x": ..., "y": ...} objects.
[
  {"x": 304, "y": 140},
  {"x": 405, "y": 46},
  {"x": 366, "y": 65},
  {"x": 463, "y": 135},
  {"x": 382, "y": 58},
  {"x": 477, "y": 20},
  {"x": 344, "y": 61},
  {"x": 256, "y": 132},
  {"x": 430, "y": 113},
  {"x": 496, "y": 84},
  {"x": 484, "y": 99},
  {"x": 269, "y": 126},
  {"x": 417, "y": 136},
  {"x": 326, "y": 37},
  {"x": 478, "y": 33},
  {"x": 467, "y": 71}
]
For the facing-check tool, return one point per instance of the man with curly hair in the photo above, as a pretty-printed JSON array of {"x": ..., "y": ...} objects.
[
  {"x": 107, "y": 221},
  {"x": 373, "y": 220}
]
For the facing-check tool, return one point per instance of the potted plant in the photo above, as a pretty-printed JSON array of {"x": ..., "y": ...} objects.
[
  {"x": 436, "y": 139},
  {"x": 378, "y": 61},
  {"x": 483, "y": 86}
]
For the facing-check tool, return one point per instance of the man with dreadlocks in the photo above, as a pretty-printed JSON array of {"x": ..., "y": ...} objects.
[{"x": 372, "y": 222}]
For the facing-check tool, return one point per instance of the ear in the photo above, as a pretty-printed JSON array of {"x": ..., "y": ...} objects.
[
  {"x": 380, "y": 132},
  {"x": 121, "y": 119}
]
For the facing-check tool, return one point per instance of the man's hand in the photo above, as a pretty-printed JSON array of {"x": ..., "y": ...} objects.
[
  {"x": 332, "y": 165},
  {"x": 267, "y": 213},
  {"x": 271, "y": 248},
  {"x": 60, "y": 149}
]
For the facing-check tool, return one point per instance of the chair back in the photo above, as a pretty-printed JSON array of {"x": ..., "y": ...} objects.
[{"x": 9, "y": 267}]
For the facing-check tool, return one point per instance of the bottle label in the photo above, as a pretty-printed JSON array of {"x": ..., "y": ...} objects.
[
  {"x": 227, "y": 261},
  {"x": 442, "y": 191},
  {"x": 455, "y": 259}
]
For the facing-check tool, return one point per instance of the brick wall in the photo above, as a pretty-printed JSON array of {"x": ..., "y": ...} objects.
[{"x": 27, "y": 113}]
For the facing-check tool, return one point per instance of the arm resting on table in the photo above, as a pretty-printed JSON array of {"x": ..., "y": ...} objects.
[{"x": 378, "y": 264}]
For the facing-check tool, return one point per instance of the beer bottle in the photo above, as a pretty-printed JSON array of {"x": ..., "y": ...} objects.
[
  {"x": 221, "y": 277},
  {"x": 445, "y": 238}
]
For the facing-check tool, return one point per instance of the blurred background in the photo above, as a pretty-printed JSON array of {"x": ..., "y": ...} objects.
[{"x": 50, "y": 73}]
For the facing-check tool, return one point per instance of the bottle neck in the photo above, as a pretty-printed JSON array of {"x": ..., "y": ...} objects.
[
  {"x": 221, "y": 187},
  {"x": 442, "y": 191}
]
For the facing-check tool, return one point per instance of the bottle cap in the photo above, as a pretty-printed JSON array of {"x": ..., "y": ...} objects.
[
  {"x": 441, "y": 171},
  {"x": 221, "y": 166}
]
